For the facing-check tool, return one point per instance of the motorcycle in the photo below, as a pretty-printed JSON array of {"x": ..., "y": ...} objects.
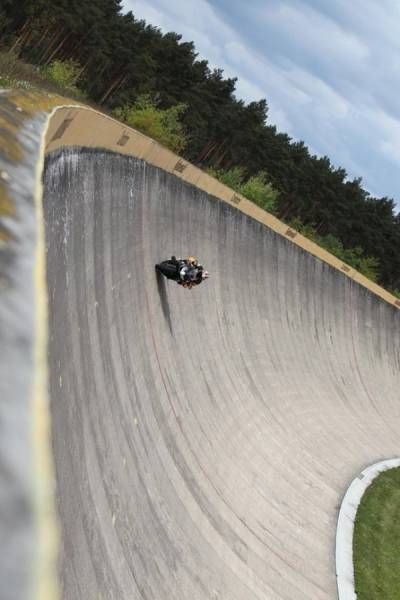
[
  {"x": 170, "y": 268},
  {"x": 186, "y": 272}
]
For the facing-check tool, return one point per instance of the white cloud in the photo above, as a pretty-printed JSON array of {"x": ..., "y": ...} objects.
[
  {"x": 313, "y": 31},
  {"x": 196, "y": 20},
  {"x": 329, "y": 71},
  {"x": 389, "y": 130}
]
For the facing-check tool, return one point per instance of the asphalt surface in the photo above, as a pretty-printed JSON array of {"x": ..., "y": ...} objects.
[{"x": 203, "y": 438}]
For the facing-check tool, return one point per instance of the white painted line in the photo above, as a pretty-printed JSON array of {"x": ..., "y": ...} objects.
[{"x": 345, "y": 526}]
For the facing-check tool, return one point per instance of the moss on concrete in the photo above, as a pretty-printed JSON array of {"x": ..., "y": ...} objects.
[{"x": 17, "y": 107}]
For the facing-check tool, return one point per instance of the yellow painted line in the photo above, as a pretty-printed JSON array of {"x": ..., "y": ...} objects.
[{"x": 45, "y": 574}]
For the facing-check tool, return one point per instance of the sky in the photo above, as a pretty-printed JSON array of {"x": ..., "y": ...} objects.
[{"x": 329, "y": 70}]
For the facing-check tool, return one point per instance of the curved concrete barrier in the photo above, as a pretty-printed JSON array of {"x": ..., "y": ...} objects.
[
  {"x": 202, "y": 440},
  {"x": 345, "y": 528}
]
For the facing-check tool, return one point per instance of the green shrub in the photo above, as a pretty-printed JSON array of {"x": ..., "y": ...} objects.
[
  {"x": 367, "y": 265},
  {"x": 232, "y": 178},
  {"x": 163, "y": 125},
  {"x": 16, "y": 74},
  {"x": 58, "y": 77},
  {"x": 64, "y": 74},
  {"x": 260, "y": 191},
  {"x": 257, "y": 188}
]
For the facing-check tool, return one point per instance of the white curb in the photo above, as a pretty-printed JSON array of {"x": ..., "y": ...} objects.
[{"x": 345, "y": 526}]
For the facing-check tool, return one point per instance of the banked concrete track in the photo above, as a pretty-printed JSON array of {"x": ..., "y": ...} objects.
[{"x": 203, "y": 440}]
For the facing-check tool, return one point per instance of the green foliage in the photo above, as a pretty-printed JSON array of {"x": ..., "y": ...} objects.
[
  {"x": 260, "y": 191},
  {"x": 257, "y": 188},
  {"x": 9, "y": 83},
  {"x": 232, "y": 178},
  {"x": 163, "y": 125},
  {"x": 59, "y": 78},
  {"x": 395, "y": 293},
  {"x": 16, "y": 74},
  {"x": 64, "y": 74},
  {"x": 123, "y": 57},
  {"x": 367, "y": 265}
]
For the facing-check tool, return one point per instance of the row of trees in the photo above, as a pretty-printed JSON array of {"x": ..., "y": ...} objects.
[
  {"x": 258, "y": 189},
  {"x": 122, "y": 60}
]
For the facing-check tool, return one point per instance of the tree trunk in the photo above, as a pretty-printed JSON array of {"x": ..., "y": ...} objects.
[
  {"x": 116, "y": 82},
  {"x": 21, "y": 35},
  {"x": 221, "y": 157},
  {"x": 58, "y": 47},
  {"x": 119, "y": 86},
  {"x": 49, "y": 47},
  {"x": 43, "y": 37},
  {"x": 206, "y": 151}
]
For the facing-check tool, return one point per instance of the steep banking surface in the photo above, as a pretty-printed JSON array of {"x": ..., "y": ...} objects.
[{"x": 203, "y": 439}]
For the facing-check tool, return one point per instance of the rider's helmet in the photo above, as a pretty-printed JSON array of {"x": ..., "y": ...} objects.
[
  {"x": 192, "y": 260},
  {"x": 205, "y": 274}
]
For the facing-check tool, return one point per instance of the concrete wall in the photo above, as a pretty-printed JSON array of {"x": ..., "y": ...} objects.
[
  {"x": 201, "y": 464},
  {"x": 207, "y": 435},
  {"x": 82, "y": 127}
]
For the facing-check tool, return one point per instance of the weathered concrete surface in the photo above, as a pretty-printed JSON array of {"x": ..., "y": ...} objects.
[
  {"x": 18, "y": 240},
  {"x": 203, "y": 439},
  {"x": 27, "y": 524}
]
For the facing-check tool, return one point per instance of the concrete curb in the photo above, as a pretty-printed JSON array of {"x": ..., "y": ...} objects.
[
  {"x": 46, "y": 585},
  {"x": 345, "y": 526}
]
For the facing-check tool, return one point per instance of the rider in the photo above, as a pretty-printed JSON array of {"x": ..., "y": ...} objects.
[
  {"x": 191, "y": 276},
  {"x": 191, "y": 273}
]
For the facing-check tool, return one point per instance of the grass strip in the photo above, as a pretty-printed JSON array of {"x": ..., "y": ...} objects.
[{"x": 376, "y": 542}]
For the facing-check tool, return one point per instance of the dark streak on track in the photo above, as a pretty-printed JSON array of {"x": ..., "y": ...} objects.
[
  {"x": 203, "y": 439},
  {"x": 162, "y": 290}
]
